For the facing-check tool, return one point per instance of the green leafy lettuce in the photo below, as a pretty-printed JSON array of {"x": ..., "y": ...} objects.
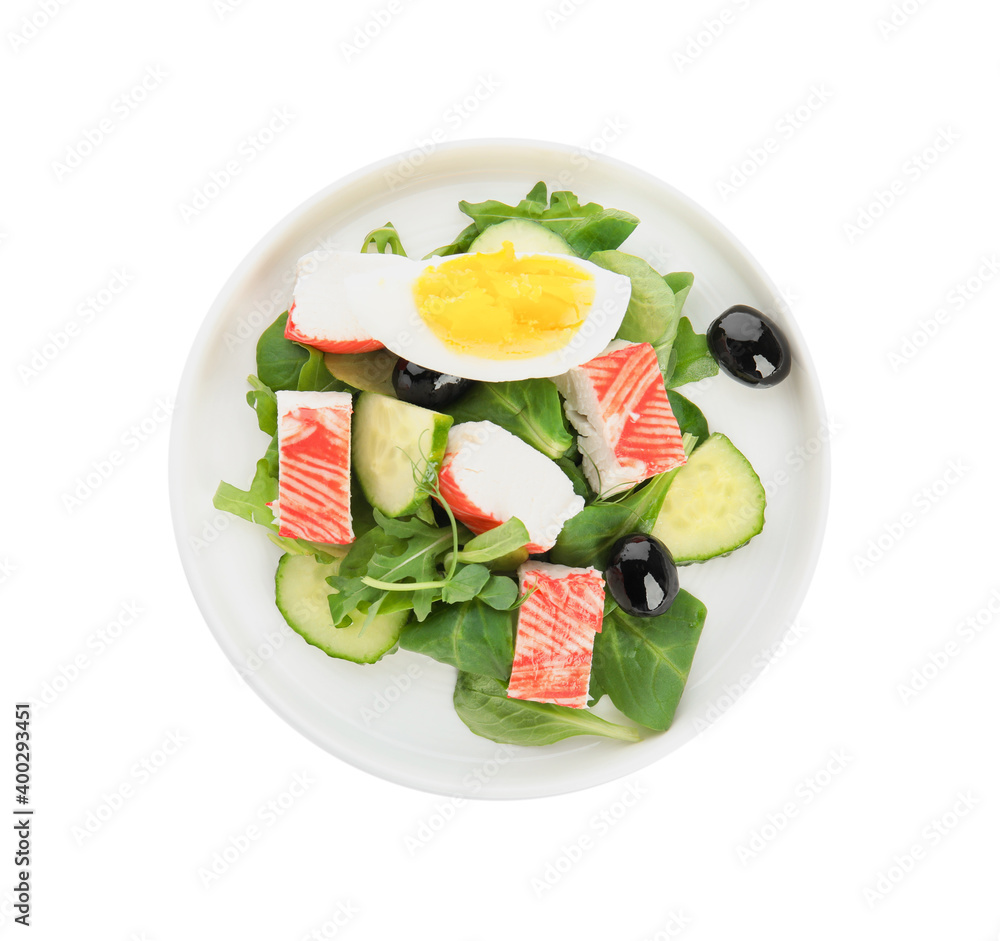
[
  {"x": 482, "y": 704},
  {"x": 528, "y": 408},
  {"x": 385, "y": 239},
  {"x": 587, "y": 538},
  {"x": 642, "y": 664},
  {"x": 587, "y": 228}
]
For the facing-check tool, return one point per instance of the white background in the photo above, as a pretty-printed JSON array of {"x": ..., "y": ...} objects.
[{"x": 709, "y": 848}]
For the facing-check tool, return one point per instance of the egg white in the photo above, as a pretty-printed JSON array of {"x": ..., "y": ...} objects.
[{"x": 385, "y": 301}]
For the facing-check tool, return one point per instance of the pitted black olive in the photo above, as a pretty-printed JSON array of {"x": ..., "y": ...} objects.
[
  {"x": 750, "y": 346},
  {"x": 641, "y": 575},
  {"x": 425, "y": 387}
]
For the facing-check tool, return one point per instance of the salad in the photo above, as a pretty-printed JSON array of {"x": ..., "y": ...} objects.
[{"x": 482, "y": 456}]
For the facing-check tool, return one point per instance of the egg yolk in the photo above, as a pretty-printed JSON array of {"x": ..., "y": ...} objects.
[{"x": 496, "y": 306}]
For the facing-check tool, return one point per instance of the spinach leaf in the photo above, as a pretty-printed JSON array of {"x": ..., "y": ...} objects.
[
  {"x": 471, "y": 636},
  {"x": 651, "y": 316},
  {"x": 482, "y": 704},
  {"x": 315, "y": 377},
  {"x": 499, "y": 592},
  {"x": 575, "y": 473},
  {"x": 465, "y": 584},
  {"x": 587, "y": 228},
  {"x": 528, "y": 408},
  {"x": 263, "y": 401},
  {"x": 279, "y": 360},
  {"x": 587, "y": 538},
  {"x": 384, "y": 237},
  {"x": 643, "y": 663},
  {"x": 689, "y": 416},
  {"x": 250, "y": 504},
  {"x": 463, "y": 240},
  {"x": 690, "y": 360}
]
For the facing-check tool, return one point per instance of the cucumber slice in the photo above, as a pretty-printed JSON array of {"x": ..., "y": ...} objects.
[
  {"x": 390, "y": 437},
  {"x": 301, "y": 594},
  {"x": 715, "y": 504},
  {"x": 524, "y": 235}
]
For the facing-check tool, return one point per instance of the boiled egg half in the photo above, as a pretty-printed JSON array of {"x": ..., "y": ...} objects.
[{"x": 488, "y": 316}]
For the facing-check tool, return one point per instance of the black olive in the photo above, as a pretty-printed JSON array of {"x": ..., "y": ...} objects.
[
  {"x": 750, "y": 346},
  {"x": 425, "y": 387},
  {"x": 641, "y": 575}
]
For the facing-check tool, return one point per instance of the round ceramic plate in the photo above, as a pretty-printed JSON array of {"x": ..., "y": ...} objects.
[{"x": 395, "y": 718}]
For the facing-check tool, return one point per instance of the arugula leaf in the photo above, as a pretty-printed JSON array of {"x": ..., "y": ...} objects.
[
  {"x": 471, "y": 636},
  {"x": 482, "y": 704},
  {"x": 315, "y": 377},
  {"x": 350, "y": 591},
  {"x": 651, "y": 316},
  {"x": 689, "y": 416},
  {"x": 499, "y": 592},
  {"x": 588, "y": 228},
  {"x": 643, "y": 663},
  {"x": 250, "y": 504},
  {"x": 587, "y": 538},
  {"x": 690, "y": 359},
  {"x": 279, "y": 360},
  {"x": 528, "y": 408},
  {"x": 264, "y": 402},
  {"x": 463, "y": 240},
  {"x": 384, "y": 237},
  {"x": 494, "y": 543},
  {"x": 422, "y": 544}
]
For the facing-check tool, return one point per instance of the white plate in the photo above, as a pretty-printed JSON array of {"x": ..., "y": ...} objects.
[{"x": 395, "y": 718}]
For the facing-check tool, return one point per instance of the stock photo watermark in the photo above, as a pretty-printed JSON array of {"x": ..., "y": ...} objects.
[
  {"x": 8, "y": 570},
  {"x": 269, "y": 813},
  {"x": 899, "y": 16},
  {"x": 444, "y": 812},
  {"x": 920, "y": 505},
  {"x": 938, "y": 661},
  {"x": 956, "y": 300},
  {"x": 559, "y": 13},
  {"x": 371, "y": 29},
  {"x": 394, "y": 691},
  {"x": 599, "y": 825},
  {"x": 94, "y": 646},
  {"x": 785, "y": 128},
  {"x": 246, "y": 152},
  {"x": 905, "y": 862},
  {"x": 454, "y": 116},
  {"x": 32, "y": 24},
  {"x": 673, "y": 926},
  {"x": 114, "y": 800},
  {"x": 766, "y": 658},
  {"x": 912, "y": 170},
  {"x": 130, "y": 442},
  {"x": 342, "y": 915},
  {"x": 60, "y": 339},
  {"x": 711, "y": 30},
  {"x": 778, "y": 821},
  {"x": 95, "y": 134}
]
